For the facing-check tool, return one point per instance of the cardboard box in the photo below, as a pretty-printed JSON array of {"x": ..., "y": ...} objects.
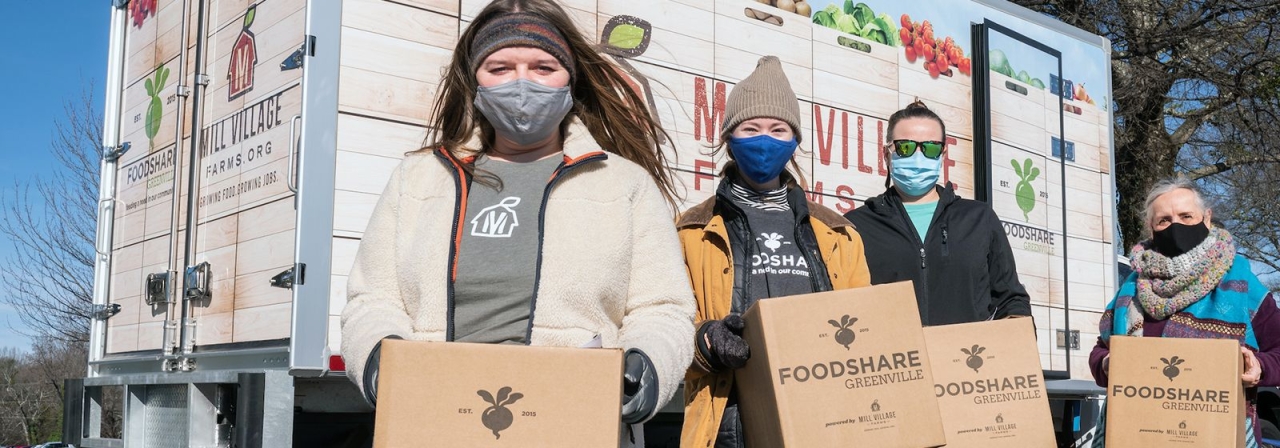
[
  {"x": 838, "y": 369},
  {"x": 990, "y": 385},
  {"x": 460, "y": 395},
  {"x": 1173, "y": 391}
]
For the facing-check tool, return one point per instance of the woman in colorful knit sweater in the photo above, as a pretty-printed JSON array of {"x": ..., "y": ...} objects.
[{"x": 1188, "y": 282}]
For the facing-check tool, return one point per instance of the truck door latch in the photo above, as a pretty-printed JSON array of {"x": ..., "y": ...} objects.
[
  {"x": 158, "y": 288},
  {"x": 197, "y": 282}
]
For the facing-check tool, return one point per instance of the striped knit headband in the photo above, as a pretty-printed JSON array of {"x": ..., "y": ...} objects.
[{"x": 520, "y": 29}]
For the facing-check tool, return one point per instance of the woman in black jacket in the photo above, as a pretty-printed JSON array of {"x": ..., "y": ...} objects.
[{"x": 954, "y": 249}]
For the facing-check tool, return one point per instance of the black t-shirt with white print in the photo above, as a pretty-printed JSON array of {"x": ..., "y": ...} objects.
[{"x": 777, "y": 266}]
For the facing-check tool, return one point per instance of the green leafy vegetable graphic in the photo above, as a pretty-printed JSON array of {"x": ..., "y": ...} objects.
[
  {"x": 824, "y": 17},
  {"x": 862, "y": 13},
  {"x": 626, "y": 36},
  {"x": 890, "y": 32},
  {"x": 249, "y": 15},
  {"x": 859, "y": 20},
  {"x": 155, "y": 111},
  {"x": 1025, "y": 193}
]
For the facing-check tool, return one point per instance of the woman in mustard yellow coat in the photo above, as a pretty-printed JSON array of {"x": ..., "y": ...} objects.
[{"x": 758, "y": 237}]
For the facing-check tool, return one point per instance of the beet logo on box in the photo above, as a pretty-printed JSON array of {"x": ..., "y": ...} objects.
[
  {"x": 974, "y": 361},
  {"x": 1171, "y": 369},
  {"x": 844, "y": 336},
  {"x": 497, "y": 417}
]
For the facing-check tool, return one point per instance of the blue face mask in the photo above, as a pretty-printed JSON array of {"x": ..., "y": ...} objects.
[
  {"x": 762, "y": 158},
  {"x": 916, "y": 175}
]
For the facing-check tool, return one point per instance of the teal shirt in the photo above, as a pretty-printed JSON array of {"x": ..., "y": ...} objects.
[{"x": 921, "y": 215}]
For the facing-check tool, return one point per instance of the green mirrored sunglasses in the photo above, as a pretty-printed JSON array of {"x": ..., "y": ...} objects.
[{"x": 931, "y": 149}]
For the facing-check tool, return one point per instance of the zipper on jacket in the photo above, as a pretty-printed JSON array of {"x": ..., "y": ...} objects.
[
  {"x": 736, "y": 228},
  {"x": 462, "y": 182},
  {"x": 565, "y": 168},
  {"x": 913, "y": 235},
  {"x": 945, "y": 252}
]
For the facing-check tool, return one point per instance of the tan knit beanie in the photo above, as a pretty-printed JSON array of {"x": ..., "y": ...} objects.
[{"x": 765, "y": 93}]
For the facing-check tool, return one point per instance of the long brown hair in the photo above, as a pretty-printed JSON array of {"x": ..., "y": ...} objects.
[{"x": 618, "y": 118}]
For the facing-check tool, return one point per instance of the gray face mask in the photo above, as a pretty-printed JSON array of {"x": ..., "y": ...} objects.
[{"x": 524, "y": 111}]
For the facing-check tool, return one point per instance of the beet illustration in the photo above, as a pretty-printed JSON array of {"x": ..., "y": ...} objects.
[
  {"x": 498, "y": 417},
  {"x": 844, "y": 336},
  {"x": 974, "y": 361},
  {"x": 1171, "y": 370},
  {"x": 1025, "y": 192}
]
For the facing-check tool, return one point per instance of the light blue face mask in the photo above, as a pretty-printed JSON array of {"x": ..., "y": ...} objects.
[{"x": 916, "y": 175}]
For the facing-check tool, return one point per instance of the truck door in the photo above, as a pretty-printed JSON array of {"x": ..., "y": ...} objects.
[
  {"x": 153, "y": 114},
  {"x": 244, "y": 181},
  {"x": 183, "y": 291},
  {"x": 1045, "y": 183}
]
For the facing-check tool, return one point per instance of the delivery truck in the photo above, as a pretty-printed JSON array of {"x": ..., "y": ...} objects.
[{"x": 247, "y": 141}]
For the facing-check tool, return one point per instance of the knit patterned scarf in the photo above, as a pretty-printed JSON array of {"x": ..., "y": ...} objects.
[
  {"x": 1228, "y": 298},
  {"x": 1168, "y": 285}
]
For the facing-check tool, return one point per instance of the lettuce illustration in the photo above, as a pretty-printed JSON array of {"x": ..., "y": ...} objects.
[
  {"x": 862, "y": 13},
  {"x": 824, "y": 18},
  {"x": 847, "y": 24},
  {"x": 890, "y": 31}
]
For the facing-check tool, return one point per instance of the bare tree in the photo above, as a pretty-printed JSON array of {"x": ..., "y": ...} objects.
[
  {"x": 51, "y": 223},
  {"x": 31, "y": 409},
  {"x": 1181, "y": 67},
  {"x": 1244, "y": 195}
]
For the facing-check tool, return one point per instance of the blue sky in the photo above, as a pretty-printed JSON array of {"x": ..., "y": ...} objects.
[{"x": 52, "y": 51}]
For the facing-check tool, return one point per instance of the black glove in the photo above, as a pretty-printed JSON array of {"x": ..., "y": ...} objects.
[
  {"x": 727, "y": 349},
  {"x": 371, "y": 372},
  {"x": 639, "y": 387}
]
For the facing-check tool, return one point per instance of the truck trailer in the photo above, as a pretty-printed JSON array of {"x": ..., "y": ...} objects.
[{"x": 247, "y": 141}]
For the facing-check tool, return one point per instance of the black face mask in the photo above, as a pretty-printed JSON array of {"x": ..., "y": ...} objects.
[{"x": 1178, "y": 239}]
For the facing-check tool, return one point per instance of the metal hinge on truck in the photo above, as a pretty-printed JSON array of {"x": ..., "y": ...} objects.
[
  {"x": 105, "y": 311},
  {"x": 296, "y": 275}
]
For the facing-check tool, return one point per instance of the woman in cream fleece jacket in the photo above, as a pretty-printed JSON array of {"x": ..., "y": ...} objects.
[{"x": 601, "y": 258}]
